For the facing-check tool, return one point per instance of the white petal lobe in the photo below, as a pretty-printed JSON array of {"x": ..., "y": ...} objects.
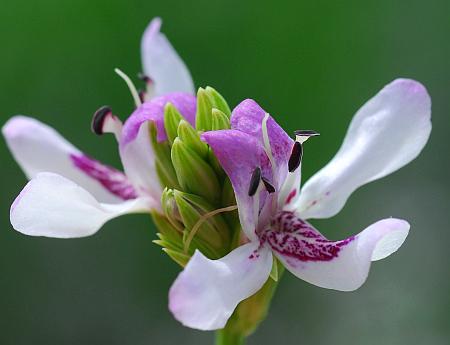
[
  {"x": 206, "y": 293},
  {"x": 341, "y": 265},
  {"x": 39, "y": 148},
  {"x": 52, "y": 206},
  {"x": 388, "y": 132},
  {"x": 162, "y": 63}
]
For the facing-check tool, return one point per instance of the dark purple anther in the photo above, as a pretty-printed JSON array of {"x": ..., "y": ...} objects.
[
  {"x": 306, "y": 133},
  {"x": 254, "y": 181},
  {"x": 146, "y": 79},
  {"x": 141, "y": 94},
  {"x": 99, "y": 118},
  {"x": 268, "y": 185},
  {"x": 296, "y": 157}
]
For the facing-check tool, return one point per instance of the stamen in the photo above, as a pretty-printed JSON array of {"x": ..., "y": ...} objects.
[
  {"x": 201, "y": 220},
  {"x": 104, "y": 121},
  {"x": 306, "y": 133},
  {"x": 99, "y": 118},
  {"x": 145, "y": 78},
  {"x": 254, "y": 181},
  {"x": 141, "y": 95},
  {"x": 267, "y": 184},
  {"x": 296, "y": 157},
  {"x": 302, "y": 135},
  {"x": 131, "y": 86},
  {"x": 267, "y": 146}
]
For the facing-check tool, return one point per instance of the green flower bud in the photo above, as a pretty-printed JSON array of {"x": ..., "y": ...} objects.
[
  {"x": 180, "y": 258},
  {"x": 214, "y": 162},
  {"x": 219, "y": 120},
  {"x": 163, "y": 162},
  {"x": 218, "y": 101},
  {"x": 202, "y": 230},
  {"x": 170, "y": 209},
  {"x": 194, "y": 174},
  {"x": 191, "y": 138},
  {"x": 203, "y": 120},
  {"x": 170, "y": 235},
  {"x": 171, "y": 120}
]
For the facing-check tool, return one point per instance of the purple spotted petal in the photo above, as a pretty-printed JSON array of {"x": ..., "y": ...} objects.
[
  {"x": 339, "y": 265},
  {"x": 247, "y": 117},
  {"x": 239, "y": 154}
]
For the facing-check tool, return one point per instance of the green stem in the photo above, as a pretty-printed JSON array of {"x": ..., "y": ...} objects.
[{"x": 223, "y": 337}]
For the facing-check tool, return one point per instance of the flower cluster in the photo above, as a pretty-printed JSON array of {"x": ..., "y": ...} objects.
[{"x": 223, "y": 187}]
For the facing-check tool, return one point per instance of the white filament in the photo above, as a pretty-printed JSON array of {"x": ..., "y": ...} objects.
[{"x": 133, "y": 90}]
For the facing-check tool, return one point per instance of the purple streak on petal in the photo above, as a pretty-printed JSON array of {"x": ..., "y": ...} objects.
[
  {"x": 112, "y": 179},
  {"x": 294, "y": 238},
  {"x": 154, "y": 111},
  {"x": 248, "y": 116}
]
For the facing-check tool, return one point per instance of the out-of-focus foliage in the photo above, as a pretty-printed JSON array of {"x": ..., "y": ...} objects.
[{"x": 311, "y": 64}]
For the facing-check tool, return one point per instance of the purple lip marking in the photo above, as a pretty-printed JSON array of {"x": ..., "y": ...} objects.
[
  {"x": 113, "y": 180},
  {"x": 295, "y": 238}
]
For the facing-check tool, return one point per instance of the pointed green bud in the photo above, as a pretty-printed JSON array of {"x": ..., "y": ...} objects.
[
  {"x": 163, "y": 162},
  {"x": 214, "y": 162},
  {"x": 169, "y": 233},
  {"x": 191, "y": 138},
  {"x": 180, "y": 258},
  {"x": 219, "y": 120},
  {"x": 218, "y": 101},
  {"x": 203, "y": 120},
  {"x": 170, "y": 209},
  {"x": 194, "y": 174},
  {"x": 172, "y": 118},
  {"x": 202, "y": 227},
  {"x": 232, "y": 218}
]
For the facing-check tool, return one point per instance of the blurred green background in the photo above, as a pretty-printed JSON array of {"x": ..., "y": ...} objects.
[{"x": 311, "y": 64}]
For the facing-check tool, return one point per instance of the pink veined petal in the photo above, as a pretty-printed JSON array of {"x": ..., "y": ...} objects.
[
  {"x": 135, "y": 147},
  {"x": 387, "y": 133},
  {"x": 50, "y": 205},
  {"x": 39, "y": 148},
  {"x": 162, "y": 63},
  {"x": 339, "y": 265},
  {"x": 248, "y": 117},
  {"x": 206, "y": 292},
  {"x": 240, "y": 154}
]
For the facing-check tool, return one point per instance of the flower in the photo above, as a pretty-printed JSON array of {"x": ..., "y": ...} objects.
[
  {"x": 71, "y": 194},
  {"x": 263, "y": 164}
]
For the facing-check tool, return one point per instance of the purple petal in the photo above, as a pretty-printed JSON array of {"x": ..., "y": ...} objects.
[
  {"x": 240, "y": 154},
  {"x": 247, "y": 117},
  {"x": 154, "y": 111}
]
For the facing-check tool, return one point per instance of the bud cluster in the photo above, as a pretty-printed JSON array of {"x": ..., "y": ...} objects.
[{"x": 198, "y": 203}]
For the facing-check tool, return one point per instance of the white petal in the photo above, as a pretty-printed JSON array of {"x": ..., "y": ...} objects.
[
  {"x": 51, "y": 205},
  {"x": 206, "y": 293},
  {"x": 138, "y": 159},
  {"x": 162, "y": 63},
  {"x": 37, "y": 148},
  {"x": 340, "y": 265},
  {"x": 388, "y": 132}
]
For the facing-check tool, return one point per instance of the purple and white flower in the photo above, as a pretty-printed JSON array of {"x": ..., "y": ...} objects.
[
  {"x": 71, "y": 194},
  {"x": 263, "y": 164}
]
